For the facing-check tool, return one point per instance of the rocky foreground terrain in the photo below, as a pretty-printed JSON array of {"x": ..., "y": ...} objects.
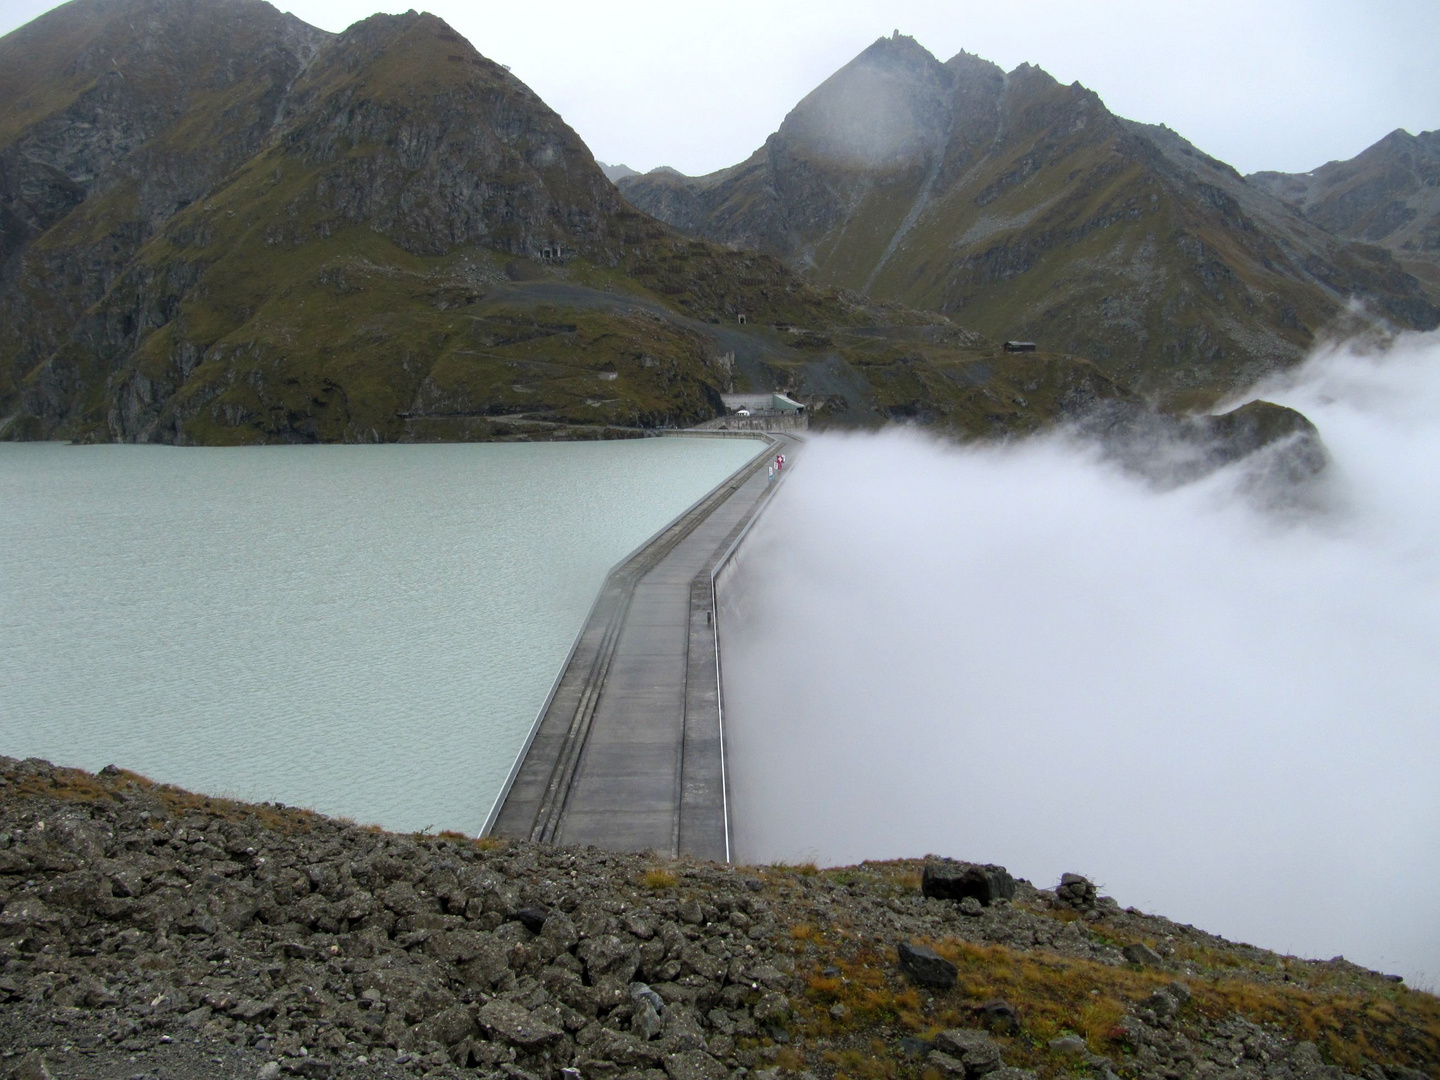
[{"x": 146, "y": 931}]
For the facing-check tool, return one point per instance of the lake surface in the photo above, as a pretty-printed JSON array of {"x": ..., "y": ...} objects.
[{"x": 366, "y": 631}]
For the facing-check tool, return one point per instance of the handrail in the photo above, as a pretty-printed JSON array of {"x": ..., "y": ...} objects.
[
  {"x": 617, "y": 568},
  {"x": 719, "y": 674}
]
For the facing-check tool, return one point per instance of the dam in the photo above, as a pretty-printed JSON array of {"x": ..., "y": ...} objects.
[{"x": 628, "y": 752}]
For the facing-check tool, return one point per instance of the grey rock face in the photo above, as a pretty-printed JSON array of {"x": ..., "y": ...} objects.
[
  {"x": 1388, "y": 194},
  {"x": 949, "y": 185},
  {"x": 106, "y": 148}
]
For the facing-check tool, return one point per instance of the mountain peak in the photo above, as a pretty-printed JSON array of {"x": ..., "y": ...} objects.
[
  {"x": 1387, "y": 195},
  {"x": 969, "y": 63},
  {"x": 1029, "y": 208},
  {"x": 882, "y": 109},
  {"x": 899, "y": 47}
]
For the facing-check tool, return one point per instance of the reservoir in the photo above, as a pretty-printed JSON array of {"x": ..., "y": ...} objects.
[{"x": 366, "y": 631}]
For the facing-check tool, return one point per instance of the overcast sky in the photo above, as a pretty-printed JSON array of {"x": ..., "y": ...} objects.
[{"x": 1262, "y": 84}]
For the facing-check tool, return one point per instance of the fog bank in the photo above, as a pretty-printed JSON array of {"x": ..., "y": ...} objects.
[{"x": 1222, "y": 711}]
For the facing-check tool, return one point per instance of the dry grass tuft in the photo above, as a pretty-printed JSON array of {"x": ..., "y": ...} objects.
[
  {"x": 1401, "y": 1027},
  {"x": 807, "y": 869},
  {"x": 657, "y": 878},
  {"x": 1056, "y": 995},
  {"x": 790, "y": 1059},
  {"x": 73, "y": 785}
]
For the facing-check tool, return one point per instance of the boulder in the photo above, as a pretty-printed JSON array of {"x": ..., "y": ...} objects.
[
  {"x": 682, "y": 1030},
  {"x": 973, "y": 1048},
  {"x": 641, "y": 992},
  {"x": 511, "y": 1023},
  {"x": 456, "y": 946},
  {"x": 1169, "y": 1001},
  {"x": 998, "y": 1014},
  {"x": 489, "y": 964},
  {"x": 926, "y": 967},
  {"x": 1142, "y": 954},
  {"x": 533, "y": 917},
  {"x": 774, "y": 1008},
  {"x": 695, "y": 1065},
  {"x": 609, "y": 954},
  {"x": 646, "y": 1022},
  {"x": 946, "y": 879},
  {"x": 558, "y": 935},
  {"x": 452, "y": 1026},
  {"x": 690, "y": 911},
  {"x": 945, "y": 1064},
  {"x": 32, "y": 1067},
  {"x": 621, "y": 1049}
]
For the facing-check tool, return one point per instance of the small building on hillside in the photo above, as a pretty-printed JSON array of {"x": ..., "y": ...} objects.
[
  {"x": 766, "y": 404},
  {"x": 1019, "y": 346}
]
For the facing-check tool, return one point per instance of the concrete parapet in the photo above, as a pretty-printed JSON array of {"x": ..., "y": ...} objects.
[{"x": 628, "y": 751}]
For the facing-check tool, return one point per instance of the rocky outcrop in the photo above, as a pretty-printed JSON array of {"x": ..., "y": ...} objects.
[
  {"x": 142, "y": 927},
  {"x": 241, "y": 136},
  {"x": 1282, "y": 450},
  {"x": 230, "y": 228},
  {"x": 114, "y": 116},
  {"x": 948, "y": 880},
  {"x": 1388, "y": 194}
]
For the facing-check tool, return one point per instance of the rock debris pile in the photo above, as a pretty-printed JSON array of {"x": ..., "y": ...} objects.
[{"x": 147, "y": 931}]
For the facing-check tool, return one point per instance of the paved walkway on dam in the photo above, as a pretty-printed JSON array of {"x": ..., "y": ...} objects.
[{"x": 628, "y": 752}]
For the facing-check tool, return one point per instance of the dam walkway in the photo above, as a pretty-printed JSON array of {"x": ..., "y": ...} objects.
[{"x": 628, "y": 752}]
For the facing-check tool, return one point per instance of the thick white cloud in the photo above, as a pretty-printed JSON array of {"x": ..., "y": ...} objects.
[
  {"x": 1020, "y": 655},
  {"x": 1263, "y": 84}
]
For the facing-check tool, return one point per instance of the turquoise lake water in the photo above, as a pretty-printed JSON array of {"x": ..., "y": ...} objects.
[{"x": 366, "y": 631}]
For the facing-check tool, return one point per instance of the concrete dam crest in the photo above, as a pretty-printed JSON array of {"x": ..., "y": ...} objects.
[{"x": 628, "y": 752}]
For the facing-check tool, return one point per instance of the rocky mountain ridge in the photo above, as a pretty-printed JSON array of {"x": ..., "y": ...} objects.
[
  {"x": 1388, "y": 195},
  {"x": 1028, "y": 210},
  {"x": 146, "y": 930},
  {"x": 222, "y": 226}
]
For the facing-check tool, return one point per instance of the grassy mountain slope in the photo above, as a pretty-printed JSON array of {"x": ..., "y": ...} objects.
[
  {"x": 382, "y": 235},
  {"x": 1388, "y": 195},
  {"x": 113, "y": 116},
  {"x": 1025, "y": 209}
]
